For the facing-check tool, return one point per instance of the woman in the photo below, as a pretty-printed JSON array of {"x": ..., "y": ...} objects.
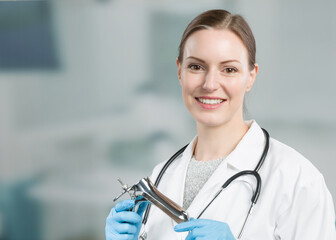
[{"x": 216, "y": 67}]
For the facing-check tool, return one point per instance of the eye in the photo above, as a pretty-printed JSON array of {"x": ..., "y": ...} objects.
[
  {"x": 230, "y": 70},
  {"x": 195, "y": 67}
]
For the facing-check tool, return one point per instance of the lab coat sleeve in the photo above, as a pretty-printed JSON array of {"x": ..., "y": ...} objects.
[{"x": 311, "y": 214}]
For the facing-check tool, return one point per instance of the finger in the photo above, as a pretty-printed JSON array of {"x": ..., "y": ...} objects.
[
  {"x": 124, "y": 228},
  {"x": 142, "y": 208},
  {"x": 112, "y": 236},
  {"x": 124, "y": 205},
  {"x": 129, "y": 217},
  {"x": 202, "y": 238},
  {"x": 189, "y": 237},
  {"x": 116, "y": 231},
  {"x": 196, "y": 233},
  {"x": 197, "y": 238},
  {"x": 188, "y": 226},
  {"x": 139, "y": 197}
]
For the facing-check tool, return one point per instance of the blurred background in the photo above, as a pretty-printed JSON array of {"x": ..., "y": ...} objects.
[{"x": 89, "y": 92}]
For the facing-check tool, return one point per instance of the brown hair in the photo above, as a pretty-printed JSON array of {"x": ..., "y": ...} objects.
[{"x": 221, "y": 19}]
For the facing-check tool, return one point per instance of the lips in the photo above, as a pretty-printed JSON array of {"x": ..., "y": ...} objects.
[{"x": 210, "y": 100}]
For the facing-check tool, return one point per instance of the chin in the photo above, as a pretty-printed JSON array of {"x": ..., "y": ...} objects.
[{"x": 211, "y": 122}]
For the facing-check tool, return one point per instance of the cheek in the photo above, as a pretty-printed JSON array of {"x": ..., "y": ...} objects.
[
  {"x": 236, "y": 88},
  {"x": 190, "y": 82},
  {"x": 187, "y": 88}
]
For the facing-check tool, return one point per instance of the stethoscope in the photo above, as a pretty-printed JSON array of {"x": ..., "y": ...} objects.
[{"x": 254, "y": 173}]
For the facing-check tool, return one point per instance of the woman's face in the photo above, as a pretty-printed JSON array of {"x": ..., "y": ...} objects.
[{"x": 215, "y": 76}]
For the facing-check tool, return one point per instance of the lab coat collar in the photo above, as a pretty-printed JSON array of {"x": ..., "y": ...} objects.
[
  {"x": 244, "y": 157},
  {"x": 247, "y": 153}
]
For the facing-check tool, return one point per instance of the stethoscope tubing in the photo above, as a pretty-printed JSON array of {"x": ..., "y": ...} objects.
[{"x": 254, "y": 173}]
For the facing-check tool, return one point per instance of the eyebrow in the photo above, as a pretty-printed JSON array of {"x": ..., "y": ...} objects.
[{"x": 223, "y": 62}]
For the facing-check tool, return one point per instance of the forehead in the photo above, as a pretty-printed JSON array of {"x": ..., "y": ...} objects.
[{"x": 214, "y": 44}]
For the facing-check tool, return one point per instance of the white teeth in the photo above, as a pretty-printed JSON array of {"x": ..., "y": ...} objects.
[{"x": 210, "y": 101}]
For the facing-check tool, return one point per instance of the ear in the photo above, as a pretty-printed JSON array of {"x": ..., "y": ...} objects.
[
  {"x": 178, "y": 64},
  {"x": 253, "y": 75}
]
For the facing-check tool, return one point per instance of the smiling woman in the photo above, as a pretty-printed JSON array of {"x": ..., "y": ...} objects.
[
  {"x": 216, "y": 67},
  {"x": 215, "y": 75}
]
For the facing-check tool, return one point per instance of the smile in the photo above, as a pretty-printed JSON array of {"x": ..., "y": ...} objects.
[{"x": 210, "y": 101}]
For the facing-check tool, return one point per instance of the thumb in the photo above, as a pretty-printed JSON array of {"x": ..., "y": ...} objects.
[
  {"x": 142, "y": 208},
  {"x": 124, "y": 205}
]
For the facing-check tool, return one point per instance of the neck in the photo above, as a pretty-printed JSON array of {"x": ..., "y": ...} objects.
[{"x": 219, "y": 141}]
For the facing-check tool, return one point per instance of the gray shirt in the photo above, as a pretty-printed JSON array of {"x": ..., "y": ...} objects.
[{"x": 198, "y": 173}]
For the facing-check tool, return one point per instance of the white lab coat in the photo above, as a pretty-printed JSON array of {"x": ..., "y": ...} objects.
[{"x": 294, "y": 202}]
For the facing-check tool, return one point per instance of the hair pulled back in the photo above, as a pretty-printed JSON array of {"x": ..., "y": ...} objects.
[{"x": 221, "y": 20}]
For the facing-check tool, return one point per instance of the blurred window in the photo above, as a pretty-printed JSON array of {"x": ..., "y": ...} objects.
[{"x": 26, "y": 37}]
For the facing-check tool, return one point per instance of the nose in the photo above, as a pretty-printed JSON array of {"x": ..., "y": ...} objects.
[{"x": 211, "y": 83}]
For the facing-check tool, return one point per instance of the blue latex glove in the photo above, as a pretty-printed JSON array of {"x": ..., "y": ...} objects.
[
  {"x": 123, "y": 224},
  {"x": 204, "y": 229}
]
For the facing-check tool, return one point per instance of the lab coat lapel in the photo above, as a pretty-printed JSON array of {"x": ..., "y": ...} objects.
[
  {"x": 176, "y": 174},
  {"x": 249, "y": 150},
  {"x": 175, "y": 181},
  {"x": 245, "y": 157}
]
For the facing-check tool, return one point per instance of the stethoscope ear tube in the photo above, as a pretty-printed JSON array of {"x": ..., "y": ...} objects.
[
  {"x": 264, "y": 154},
  {"x": 256, "y": 193}
]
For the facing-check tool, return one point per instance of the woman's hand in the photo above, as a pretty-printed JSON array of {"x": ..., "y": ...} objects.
[
  {"x": 205, "y": 229},
  {"x": 123, "y": 224}
]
